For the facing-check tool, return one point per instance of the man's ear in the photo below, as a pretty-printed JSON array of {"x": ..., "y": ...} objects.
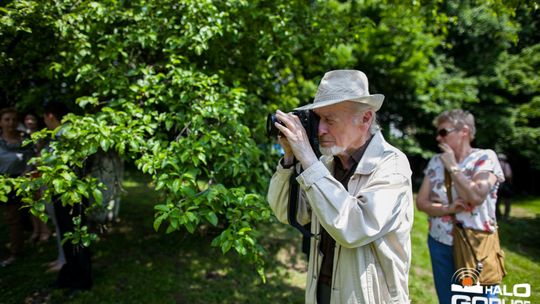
[{"x": 366, "y": 118}]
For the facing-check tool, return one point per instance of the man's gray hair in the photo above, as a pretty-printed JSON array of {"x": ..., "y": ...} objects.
[
  {"x": 361, "y": 108},
  {"x": 458, "y": 118}
]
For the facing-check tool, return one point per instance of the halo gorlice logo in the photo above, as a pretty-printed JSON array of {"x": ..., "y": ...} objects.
[
  {"x": 466, "y": 289},
  {"x": 469, "y": 281}
]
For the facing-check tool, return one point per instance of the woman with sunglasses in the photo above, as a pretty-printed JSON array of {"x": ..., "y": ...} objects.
[{"x": 475, "y": 175}]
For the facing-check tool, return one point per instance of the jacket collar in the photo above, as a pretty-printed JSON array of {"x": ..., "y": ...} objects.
[{"x": 372, "y": 156}]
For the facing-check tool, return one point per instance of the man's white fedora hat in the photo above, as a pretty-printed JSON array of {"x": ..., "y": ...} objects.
[{"x": 344, "y": 85}]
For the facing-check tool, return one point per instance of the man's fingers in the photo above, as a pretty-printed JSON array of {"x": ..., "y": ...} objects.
[
  {"x": 288, "y": 119},
  {"x": 284, "y": 130},
  {"x": 291, "y": 127}
]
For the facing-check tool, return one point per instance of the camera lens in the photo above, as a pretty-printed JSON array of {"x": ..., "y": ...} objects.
[{"x": 271, "y": 130}]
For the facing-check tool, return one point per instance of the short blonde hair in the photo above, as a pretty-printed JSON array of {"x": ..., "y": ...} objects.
[{"x": 458, "y": 118}]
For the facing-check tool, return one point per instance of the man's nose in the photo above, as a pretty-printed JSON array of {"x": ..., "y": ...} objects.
[{"x": 322, "y": 129}]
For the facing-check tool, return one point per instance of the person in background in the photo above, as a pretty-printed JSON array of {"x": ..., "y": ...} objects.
[
  {"x": 505, "y": 192},
  {"x": 475, "y": 174},
  {"x": 13, "y": 162},
  {"x": 41, "y": 232},
  {"x": 31, "y": 123},
  {"x": 358, "y": 196},
  {"x": 76, "y": 273}
]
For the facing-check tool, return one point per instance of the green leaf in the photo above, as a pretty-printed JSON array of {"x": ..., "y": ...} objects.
[
  {"x": 226, "y": 246},
  {"x": 191, "y": 217},
  {"x": 176, "y": 185},
  {"x": 262, "y": 275},
  {"x": 105, "y": 144},
  {"x": 212, "y": 218},
  {"x": 239, "y": 247},
  {"x": 58, "y": 185},
  {"x": 161, "y": 207},
  {"x": 98, "y": 196},
  {"x": 190, "y": 227},
  {"x": 159, "y": 220},
  {"x": 82, "y": 101},
  {"x": 170, "y": 229}
]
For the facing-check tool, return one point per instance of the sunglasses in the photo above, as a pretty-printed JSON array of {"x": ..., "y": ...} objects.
[{"x": 444, "y": 132}]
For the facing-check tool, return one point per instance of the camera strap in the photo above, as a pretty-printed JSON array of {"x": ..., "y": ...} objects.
[{"x": 294, "y": 193}]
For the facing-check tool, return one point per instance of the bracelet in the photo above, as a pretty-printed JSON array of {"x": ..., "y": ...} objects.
[{"x": 455, "y": 170}]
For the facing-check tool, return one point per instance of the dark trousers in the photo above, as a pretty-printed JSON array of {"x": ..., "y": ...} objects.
[
  {"x": 507, "y": 205},
  {"x": 503, "y": 197},
  {"x": 18, "y": 221},
  {"x": 77, "y": 271},
  {"x": 323, "y": 293},
  {"x": 14, "y": 220}
]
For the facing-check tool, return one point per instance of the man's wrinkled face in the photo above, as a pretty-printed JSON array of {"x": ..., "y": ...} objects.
[{"x": 341, "y": 128}]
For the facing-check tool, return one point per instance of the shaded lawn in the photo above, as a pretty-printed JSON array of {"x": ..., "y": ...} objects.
[{"x": 134, "y": 264}]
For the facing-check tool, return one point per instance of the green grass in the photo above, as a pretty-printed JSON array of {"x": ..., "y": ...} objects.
[
  {"x": 134, "y": 264},
  {"x": 520, "y": 239}
]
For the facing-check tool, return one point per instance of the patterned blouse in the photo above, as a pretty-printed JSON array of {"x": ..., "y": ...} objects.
[{"x": 481, "y": 217}]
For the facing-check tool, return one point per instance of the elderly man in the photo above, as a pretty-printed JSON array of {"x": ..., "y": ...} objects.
[{"x": 357, "y": 196}]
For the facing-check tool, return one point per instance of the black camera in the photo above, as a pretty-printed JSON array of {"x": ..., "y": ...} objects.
[{"x": 310, "y": 122}]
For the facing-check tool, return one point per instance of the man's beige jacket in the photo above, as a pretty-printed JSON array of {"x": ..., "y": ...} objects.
[{"x": 371, "y": 223}]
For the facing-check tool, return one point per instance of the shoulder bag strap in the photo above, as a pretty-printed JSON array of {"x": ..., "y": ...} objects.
[
  {"x": 448, "y": 185},
  {"x": 294, "y": 193}
]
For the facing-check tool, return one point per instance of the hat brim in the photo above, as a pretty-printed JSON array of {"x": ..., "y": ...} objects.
[{"x": 375, "y": 101}]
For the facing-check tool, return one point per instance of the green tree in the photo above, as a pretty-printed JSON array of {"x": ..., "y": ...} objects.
[
  {"x": 496, "y": 44},
  {"x": 182, "y": 88}
]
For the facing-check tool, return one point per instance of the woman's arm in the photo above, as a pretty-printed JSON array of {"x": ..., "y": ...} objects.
[
  {"x": 473, "y": 190},
  {"x": 434, "y": 208}
]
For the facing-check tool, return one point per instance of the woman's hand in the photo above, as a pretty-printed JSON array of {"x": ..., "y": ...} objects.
[
  {"x": 448, "y": 157},
  {"x": 457, "y": 206}
]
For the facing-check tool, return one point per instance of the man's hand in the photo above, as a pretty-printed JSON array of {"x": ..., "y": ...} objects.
[
  {"x": 294, "y": 139},
  {"x": 288, "y": 157}
]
